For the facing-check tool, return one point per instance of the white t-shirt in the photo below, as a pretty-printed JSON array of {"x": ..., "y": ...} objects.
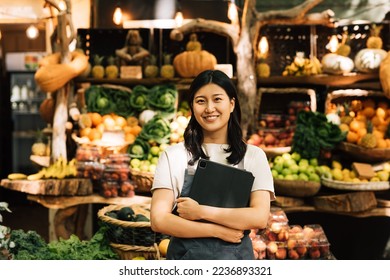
[{"x": 173, "y": 161}]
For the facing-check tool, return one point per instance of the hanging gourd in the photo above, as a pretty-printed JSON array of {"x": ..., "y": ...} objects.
[
  {"x": 194, "y": 60},
  {"x": 368, "y": 60}
]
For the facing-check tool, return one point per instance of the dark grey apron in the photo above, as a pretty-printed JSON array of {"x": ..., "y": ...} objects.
[{"x": 207, "y": 248}]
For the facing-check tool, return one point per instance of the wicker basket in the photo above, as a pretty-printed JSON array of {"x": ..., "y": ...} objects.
[
  {"x": 143, "y": 180},
  {"x": 365, "y": 154},
  {"x": 354, "y": 186},
  {"x": 129, "y": 233},
  {"x": 296, "y": 188},
  {"x": 129, "y": 252}
]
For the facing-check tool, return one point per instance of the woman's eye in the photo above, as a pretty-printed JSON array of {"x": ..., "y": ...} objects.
[{"x": 199, "y": 101}]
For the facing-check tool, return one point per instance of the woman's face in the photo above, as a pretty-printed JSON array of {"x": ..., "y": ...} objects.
[{"x": 212, "y": 108}]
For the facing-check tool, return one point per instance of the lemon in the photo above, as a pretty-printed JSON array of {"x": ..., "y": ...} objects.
[{"x": 163, "y": 247}]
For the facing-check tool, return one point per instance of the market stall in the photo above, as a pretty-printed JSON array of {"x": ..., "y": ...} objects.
[{"x": 117, "y": 109}]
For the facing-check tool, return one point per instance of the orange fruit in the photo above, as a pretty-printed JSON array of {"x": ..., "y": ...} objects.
[
  {"x": 136, "y": 130},
  {"x": 129, "y": 138},
  {"x": 132, "y": 121},
  {"x": 101, "y": 127},
  {"x": 96, "y": 119},
  {"x": 120, "y": 121},
  {"x": 352, "y": 137},
  {"x": 109, "y": 122},
  {"x": 354, "y": 125},
  {"x": 84, "y": 132},
  {"x": 94, "y": 134}
]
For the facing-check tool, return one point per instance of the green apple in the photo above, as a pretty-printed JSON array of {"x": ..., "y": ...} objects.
[
  {"x": 154, "y": 160},
  {"x": 155, "y": 150},
  {"x": 135, "y": 163},
  {"x": 294, "y": 168},
  {"x": 296, "y": 156},
  {"x": 303, "y": 162},
  {"x": 289, "y": 162},
  {"x": 289, "y": 177},
  {"x": 303, "y": 177},
  {"x": 274, "y": 173},
  {"x": 313, "y": 162},
  {"x": 278, "y": 167},
  {"x": 314, "y": 177},
  {"x": 278, "y": 159},
  {"x": 152, "y": 168},
  {"x": 286, "y": 171},
  {"x": 286, "y": 156}
]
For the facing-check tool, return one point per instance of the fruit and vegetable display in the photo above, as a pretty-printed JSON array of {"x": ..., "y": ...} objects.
[
  {"x": 303, "y": 66},
  {"x": 129, "y": 225},
  {"x": 292, "y": 166},
  {"x": 280, "y": 240},
  {"x": 60, "y": 169},
  {"x": 194, "y": 59},
  {"x": 314, "y": 133},
  {"x": 365, "y": 121},
  {"x": 277, "y": 129}
]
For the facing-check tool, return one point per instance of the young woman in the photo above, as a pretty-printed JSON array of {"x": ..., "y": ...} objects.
[{"x": 213, "y": 133}]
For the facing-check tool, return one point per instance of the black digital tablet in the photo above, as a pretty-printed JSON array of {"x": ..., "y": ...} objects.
[{"x": 221, "y": 185}]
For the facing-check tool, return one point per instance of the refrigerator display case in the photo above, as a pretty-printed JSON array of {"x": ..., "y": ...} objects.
[{"x": 25, "y": 99}]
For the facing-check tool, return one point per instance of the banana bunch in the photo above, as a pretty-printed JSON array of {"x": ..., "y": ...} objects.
[
  {"x": 58, "y": 170},
  {"x": 302, "y": 66}
]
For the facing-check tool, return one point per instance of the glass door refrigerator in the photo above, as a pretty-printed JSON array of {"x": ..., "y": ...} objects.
[{"x": 25, "y": 99}]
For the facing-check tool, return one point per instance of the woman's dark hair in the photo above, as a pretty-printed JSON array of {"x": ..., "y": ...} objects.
[{"x": 193, "y": 134}]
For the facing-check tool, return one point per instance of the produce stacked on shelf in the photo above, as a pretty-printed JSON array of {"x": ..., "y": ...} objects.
[
  {"x": 60, "y": 169},
  {"x": 291, "y": 166},
  {"x": 368, "y": 60},
  {"x": 365, "y": 121},
  {"x": 302, "y": 66},
  {"x": 315, "y": 134},
  {"x": 277, "y": 129},
  {"x": 280, "y": 241}
]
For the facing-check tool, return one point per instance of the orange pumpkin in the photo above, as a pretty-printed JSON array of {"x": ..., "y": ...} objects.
[{"x": 189, "y": 64}]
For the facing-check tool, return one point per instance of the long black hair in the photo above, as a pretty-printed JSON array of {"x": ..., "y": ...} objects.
[{"x": 193, "y": 134}]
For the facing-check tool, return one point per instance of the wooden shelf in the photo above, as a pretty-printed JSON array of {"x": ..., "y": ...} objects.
[{"x": 323, "y": 80}]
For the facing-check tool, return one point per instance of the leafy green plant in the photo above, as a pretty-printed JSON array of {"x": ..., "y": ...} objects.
[{"x": 5, "y": 232}]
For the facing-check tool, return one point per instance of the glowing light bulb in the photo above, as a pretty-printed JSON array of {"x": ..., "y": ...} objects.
[
  {"x": 117, "y": 17},
  {"x": 32, "y": 32},
  {"x": 232, "y": 12},
  {"x": 263, "y": 47},
  {"x": 62, "y": 5},
  {"x": 179, "y": 19},
  {"x": 333, "y": 44}
]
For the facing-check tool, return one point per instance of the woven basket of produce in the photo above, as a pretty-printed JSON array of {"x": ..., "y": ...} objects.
[
  {"x": 365, "y": 154},
  {"x": 131, "y": 252},
  {"x": 296, "y": 188},
  {"x": 129, "y": 225},
  {"x": 355, "y": 186},
  {"x": 143, "y": 180}
]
